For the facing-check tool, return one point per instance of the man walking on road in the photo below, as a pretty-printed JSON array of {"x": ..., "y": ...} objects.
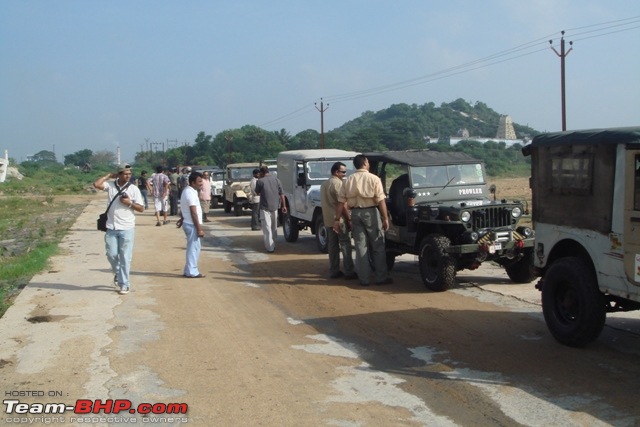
[
  {"x": 160, "y": 186},
  {"x": 255, "y": 201},
  {"x": 191, "y": 222},
  {"x": 270, "y": 191},
  {"x": 121, "y": 222},
  {"x": 363, "y": 196},
  {"x": 336, "y": 241}
]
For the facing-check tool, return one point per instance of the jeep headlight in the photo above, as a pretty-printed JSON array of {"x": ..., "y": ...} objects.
[
  {"x": 516, "y": 212},
  {"x": 465, "y": 216},
  {"x": 247, "y": 189}
]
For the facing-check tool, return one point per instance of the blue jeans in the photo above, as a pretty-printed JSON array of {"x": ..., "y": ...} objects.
[
  {"x": 193, "y": 249},
  {"x": 145, "y": 197},
  {"x": 119, "y": 246}
]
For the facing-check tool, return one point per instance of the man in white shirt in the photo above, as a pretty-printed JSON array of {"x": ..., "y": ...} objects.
[
  {"x": 191, "y": 222},
  {"x": 121, "y": 223}
]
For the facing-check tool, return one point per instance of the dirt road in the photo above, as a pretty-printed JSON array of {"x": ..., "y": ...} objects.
[{"x": 267, "y": 339}]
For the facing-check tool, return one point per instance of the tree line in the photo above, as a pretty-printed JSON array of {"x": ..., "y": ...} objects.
[{"x": 399, "y": 127}]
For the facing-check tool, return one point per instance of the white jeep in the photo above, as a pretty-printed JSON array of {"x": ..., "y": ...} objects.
[
  {"x": 236, "y": 189},
  {"x": 301, "y": 173},
  {"x": 586, "y": 213}
]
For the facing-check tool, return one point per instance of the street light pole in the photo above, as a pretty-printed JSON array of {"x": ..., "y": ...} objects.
[{"x": 562, "y": 56}]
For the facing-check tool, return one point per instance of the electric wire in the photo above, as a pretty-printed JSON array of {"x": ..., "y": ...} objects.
[{"x": 530, "y": 48}]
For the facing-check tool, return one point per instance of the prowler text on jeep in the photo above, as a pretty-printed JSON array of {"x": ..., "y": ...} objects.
[
  {"x": 440, "y": 210},
  {"x": 586, "y": 212}
]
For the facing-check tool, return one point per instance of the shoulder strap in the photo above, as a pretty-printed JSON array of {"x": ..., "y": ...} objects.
[{"x": 124, "y": 187}]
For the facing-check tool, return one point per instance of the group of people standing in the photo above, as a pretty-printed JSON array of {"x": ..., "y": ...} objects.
[
  {"x": 358, "y": 206},
  {"x": 126, "y": 196},
  {"x": 353, "y": 205},
  {"x": 165, "y": 187}
]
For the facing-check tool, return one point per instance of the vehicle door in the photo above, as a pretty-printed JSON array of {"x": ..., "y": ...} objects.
[
  {"x": 632, "y": 216},
  {"x": 300, "y": 188}
]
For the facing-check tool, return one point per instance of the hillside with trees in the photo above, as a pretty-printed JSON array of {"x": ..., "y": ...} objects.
[{"x": 399, "y": 127}]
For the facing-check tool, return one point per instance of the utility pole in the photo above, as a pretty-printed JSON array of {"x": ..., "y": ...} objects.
[
  {"x": 322, "y": 110},
  {"x": 156, "y": 144},
  {"x": 148, "y": 149},
  {"x": 562, "y": 55}
]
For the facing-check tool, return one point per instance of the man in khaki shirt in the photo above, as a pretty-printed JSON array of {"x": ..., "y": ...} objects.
[
  {"x": 363, "y": 195},
  {"x": 336, "y": 241}
]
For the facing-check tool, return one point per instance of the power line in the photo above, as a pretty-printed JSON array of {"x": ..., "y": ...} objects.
[{"x": 510, "y": 54}]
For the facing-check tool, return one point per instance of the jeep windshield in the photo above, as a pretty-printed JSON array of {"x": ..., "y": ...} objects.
[
  {"x": 446, "y": 175},
  {"x": 241, "y": 174},
  {"x": 320, "y": 170}
]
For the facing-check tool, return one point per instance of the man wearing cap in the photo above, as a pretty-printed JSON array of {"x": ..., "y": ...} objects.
[{"x": 121, "y": 222}]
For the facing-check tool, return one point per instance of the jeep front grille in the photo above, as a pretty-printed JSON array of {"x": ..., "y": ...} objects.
[{"x": 491, "y": 218}]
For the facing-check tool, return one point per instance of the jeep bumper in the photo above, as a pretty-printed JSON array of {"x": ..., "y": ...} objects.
[{"x": 492, "y": 248}]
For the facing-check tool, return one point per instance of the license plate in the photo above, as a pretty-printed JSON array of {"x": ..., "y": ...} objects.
[{"x": 495, "y": 247}]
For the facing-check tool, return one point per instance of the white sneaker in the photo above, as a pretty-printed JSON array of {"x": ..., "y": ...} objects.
[{"x": 123, "y": 291}]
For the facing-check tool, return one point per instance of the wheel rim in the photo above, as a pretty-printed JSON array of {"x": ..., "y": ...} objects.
[
  {"x": 567, "y": 303},
  {"x": 286, "y": 225},
  {"x": 322, "y": 236},
  {"x": 429, "y": 264}
]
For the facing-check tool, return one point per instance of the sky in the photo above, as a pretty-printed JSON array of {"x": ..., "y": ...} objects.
[{"x": 98, "y": 74}]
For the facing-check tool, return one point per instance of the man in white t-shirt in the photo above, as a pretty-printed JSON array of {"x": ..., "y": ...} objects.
[
  {"x": 191, "y": 222},
  {"x": 121, "y": 223}
]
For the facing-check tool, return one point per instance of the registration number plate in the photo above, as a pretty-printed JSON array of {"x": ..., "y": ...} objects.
[{"x": 495, "y": 247}]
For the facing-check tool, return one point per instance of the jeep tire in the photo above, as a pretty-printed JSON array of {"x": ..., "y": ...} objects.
[
  {"x": 227, "y": 205},
  {"x": 237, "y": 207},
  {"x": 322, "y": 235},
  {"x": 573, "y": 306},
  {"x": 290, "y": 227},
  {"x": 522, "y": 271},
  {"x": 437, "y": 267}
]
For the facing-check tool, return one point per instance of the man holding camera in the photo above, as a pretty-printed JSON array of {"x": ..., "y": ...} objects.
[{"x": 121, "y": 222}]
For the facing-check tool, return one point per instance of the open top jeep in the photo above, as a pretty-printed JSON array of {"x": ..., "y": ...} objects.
[
  {"x": 586, "y": 212},
  {"x": 440, "y": 210},
  {"x": 236, "y": 189},
  {"x": 301, "y": 173}
]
